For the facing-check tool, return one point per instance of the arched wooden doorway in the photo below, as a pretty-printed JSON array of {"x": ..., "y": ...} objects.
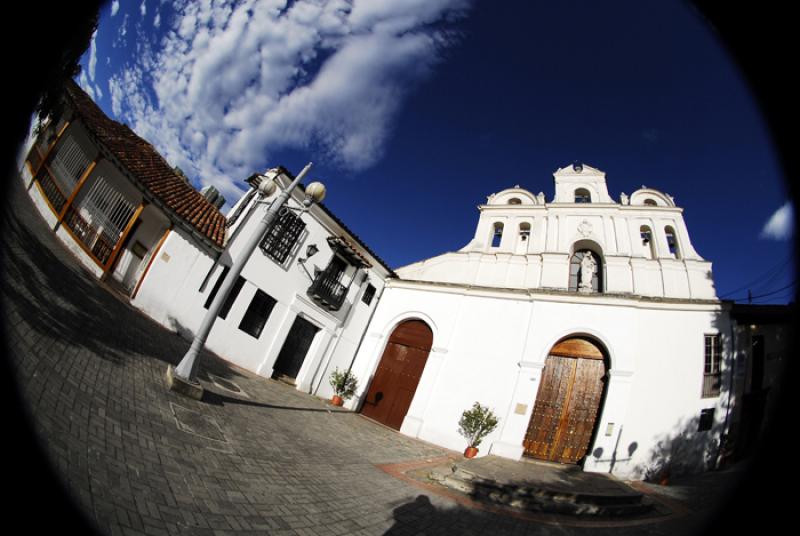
[
  {"x": 398, "y": 373},
  {"x": 568, "y": 402}
]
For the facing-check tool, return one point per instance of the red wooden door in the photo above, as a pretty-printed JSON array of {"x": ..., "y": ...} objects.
[
  {"x": 567, "y": 404},
  {"x": 396, "y": 379}
]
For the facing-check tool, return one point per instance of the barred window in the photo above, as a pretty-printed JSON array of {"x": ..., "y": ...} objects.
[
  {"x": 257, "y": 314},
  {"x": 282, "y": 236},
  {"x": 711, "y": 374}
]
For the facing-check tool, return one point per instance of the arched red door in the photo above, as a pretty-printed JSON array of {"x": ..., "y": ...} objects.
[
  {"x": 568, "y": 402},
  {"x": 396, "y": 379}
]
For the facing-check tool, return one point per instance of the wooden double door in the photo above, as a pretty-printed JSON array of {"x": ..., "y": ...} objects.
[
  {"x": 398, "y": 374},
  {"x": 568, "y": 402}
]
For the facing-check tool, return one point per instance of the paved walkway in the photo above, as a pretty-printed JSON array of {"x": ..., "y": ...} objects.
[{"x": 254, "y": 457}]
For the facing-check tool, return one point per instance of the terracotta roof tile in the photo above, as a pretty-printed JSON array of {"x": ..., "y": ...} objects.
[{"x": 147, "y": 166}]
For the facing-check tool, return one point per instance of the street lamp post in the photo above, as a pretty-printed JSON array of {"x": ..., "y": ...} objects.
[{"x": 182, "y": 378}]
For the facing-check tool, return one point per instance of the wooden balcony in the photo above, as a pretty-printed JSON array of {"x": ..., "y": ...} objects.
[{"x": 327, "y": 291}]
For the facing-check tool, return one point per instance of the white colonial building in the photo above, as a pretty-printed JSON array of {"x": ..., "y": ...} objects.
[
  {"x": 590, "y": 326},
  {"x": 301, "y": 303}
]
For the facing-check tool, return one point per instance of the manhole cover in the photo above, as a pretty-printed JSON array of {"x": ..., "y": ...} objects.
[{"x": 197, "y": 424}]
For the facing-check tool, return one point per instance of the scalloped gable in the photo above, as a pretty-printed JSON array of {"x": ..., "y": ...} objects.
[
  {"x": 578, "y": 175},
  {"x": 662, "y": 199},
  {"x": 503, "y": 197}
]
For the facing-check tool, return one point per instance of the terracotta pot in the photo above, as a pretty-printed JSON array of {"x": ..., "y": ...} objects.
[
  {"x": 471, "y": 452},
  {"x": 337, "y": 400}
]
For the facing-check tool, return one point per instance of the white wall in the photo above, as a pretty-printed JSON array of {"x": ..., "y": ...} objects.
[
  {"x": 491, "y": 347},
  {"x": 172, "y": 293}
]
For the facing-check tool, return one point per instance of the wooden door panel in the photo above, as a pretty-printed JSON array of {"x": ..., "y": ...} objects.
[
  {"x": 397, "y": 376},
  {"x": 567, "y": 403},
  {"x": 581, "y": 411},
  {"x": 549, "y": 406}
]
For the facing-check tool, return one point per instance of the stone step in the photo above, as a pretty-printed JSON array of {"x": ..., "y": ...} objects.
[{"x": 531, "y": 497}]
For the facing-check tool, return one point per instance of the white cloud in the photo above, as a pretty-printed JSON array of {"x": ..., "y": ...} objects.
[
  {"x": 780, "y": 225},
  {"x": 122, "y": 32},
  {"x": 143, "y": 8},
  {"x": 235, "y": 84},
  {"x": 93, "y": 57},
  {"x": 114, "y": 7},
  {"x": 83, "y": 81},
  {"x": 157, "y": 20}
]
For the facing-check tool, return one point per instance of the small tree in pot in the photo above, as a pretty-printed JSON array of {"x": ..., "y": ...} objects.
[
  {"x": 475, "y": 424},
  {"x": 344, "y": 386}
]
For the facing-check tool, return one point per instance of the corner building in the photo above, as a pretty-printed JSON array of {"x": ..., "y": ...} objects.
[{"x": 590, "y": 327}]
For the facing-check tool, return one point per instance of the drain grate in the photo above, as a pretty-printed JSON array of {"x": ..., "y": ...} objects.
[{"x": 197, "y": 424}]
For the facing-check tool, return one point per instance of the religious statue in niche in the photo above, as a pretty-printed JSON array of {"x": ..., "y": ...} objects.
[{"x": 588, "y": 268}]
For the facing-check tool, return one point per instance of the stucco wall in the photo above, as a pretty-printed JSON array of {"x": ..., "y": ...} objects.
[
  {"x": 174, "y": 293},
  {"x": 491, "y": 348}
]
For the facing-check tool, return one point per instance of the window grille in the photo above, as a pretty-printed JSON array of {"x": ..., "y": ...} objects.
[
  {"x": 282, "y": 236},
  {"x": 68, "y": 164},
  {"x": 257, "y": 314},
  {"x": 106, "y": 209},
  {"x": 712, "y": 375}
]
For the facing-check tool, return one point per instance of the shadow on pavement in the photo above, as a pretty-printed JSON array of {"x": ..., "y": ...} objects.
[
  {"x": 420, "y": 516},
  {"x": 80, "y": 314},
  {"x": 217, "y": 399}
]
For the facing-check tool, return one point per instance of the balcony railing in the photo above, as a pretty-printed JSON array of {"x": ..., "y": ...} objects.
[{"x": 327, "y": 291}]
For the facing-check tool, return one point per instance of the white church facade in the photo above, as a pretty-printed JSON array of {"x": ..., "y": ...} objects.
[{"x": 589, "y": 326}]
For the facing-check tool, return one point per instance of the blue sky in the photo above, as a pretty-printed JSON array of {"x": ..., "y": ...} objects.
[{"x": 413, "y": 111}]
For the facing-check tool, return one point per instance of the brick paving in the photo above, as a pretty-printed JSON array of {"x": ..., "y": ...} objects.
[{"x": 139, "y": 459}]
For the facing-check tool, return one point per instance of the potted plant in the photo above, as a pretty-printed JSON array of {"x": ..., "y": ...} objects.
[
  {"x": 344, "y": 386},
  {"x": 475, "y": 424}
]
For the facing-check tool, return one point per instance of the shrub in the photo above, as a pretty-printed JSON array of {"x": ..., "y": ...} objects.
[
  {"x": 344, "y": 383},
  {"x": 477, "y": 423}
]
